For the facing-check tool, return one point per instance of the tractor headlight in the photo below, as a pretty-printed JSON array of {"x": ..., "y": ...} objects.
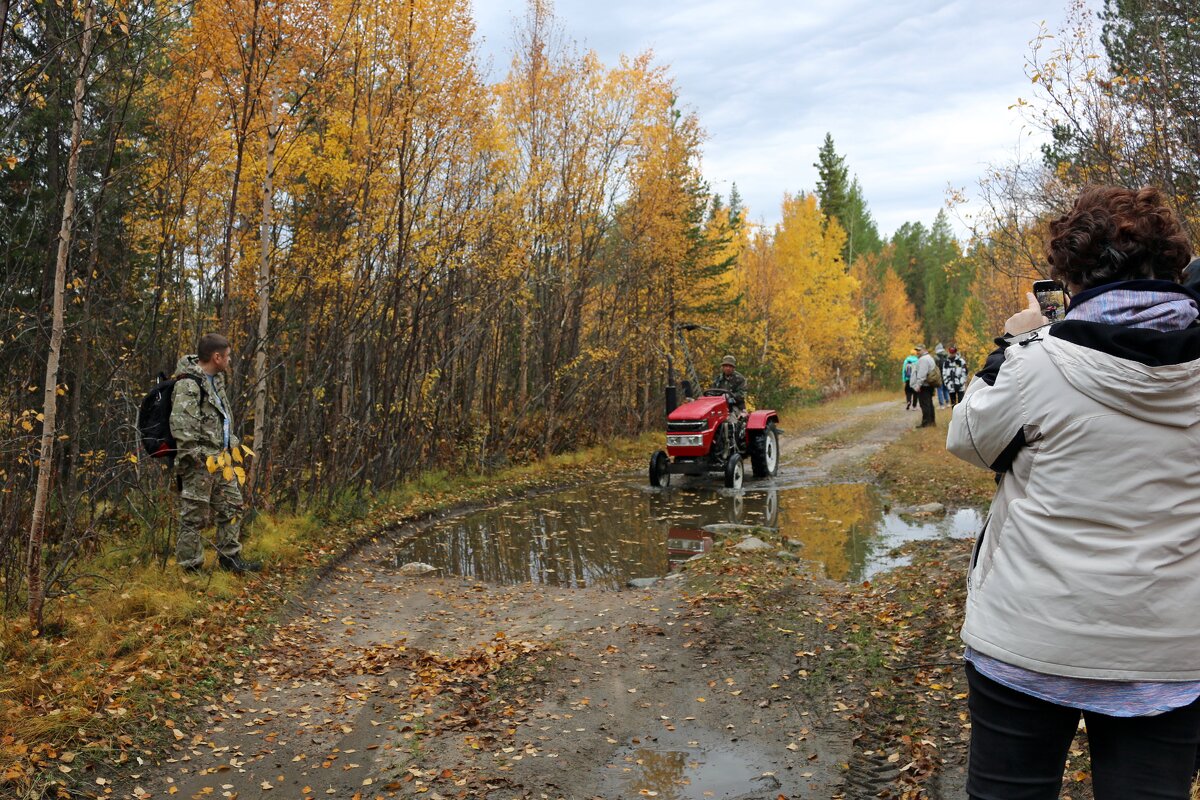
[{"x": 685, "y": 441}]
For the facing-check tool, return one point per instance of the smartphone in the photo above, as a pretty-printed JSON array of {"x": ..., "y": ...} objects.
[{"x": 1052, "y": 297}]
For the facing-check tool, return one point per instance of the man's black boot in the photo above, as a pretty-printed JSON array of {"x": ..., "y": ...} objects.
[{"x": 236, "y": 564}]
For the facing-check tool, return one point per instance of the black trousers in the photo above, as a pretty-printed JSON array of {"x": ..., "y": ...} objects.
[
  {"x": 925, "y": 398},
  {"x": 910, "y": 397},
  {"x": 1019, "y": 745},
  {"x": 956, "y": 397}
]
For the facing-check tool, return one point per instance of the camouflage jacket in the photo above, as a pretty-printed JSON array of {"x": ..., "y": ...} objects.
[
  {"x": 199, "y": 426},
  {"x": 735, "y": 384}
]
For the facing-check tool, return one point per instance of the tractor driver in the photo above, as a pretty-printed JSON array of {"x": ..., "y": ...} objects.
[{"x": 733, "y": 382}]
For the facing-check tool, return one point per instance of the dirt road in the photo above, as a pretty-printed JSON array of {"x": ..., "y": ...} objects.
[{"x": 383, "y": 685}]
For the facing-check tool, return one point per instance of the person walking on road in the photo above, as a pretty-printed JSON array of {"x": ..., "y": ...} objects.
[
  {"x": 922, "y": 383},
  {"x": 910, "y": 397},
  {"x": 939, "y": 357},
  {"x": 1082, "y": 593},
  {"x": 954, "y": 376},
  {"x": 202, "y": 425}
]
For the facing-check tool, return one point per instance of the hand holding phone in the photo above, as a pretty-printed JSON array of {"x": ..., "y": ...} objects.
[
  {"x": 1026, "y": 319},
  {"x": 1051, "y": 298}
]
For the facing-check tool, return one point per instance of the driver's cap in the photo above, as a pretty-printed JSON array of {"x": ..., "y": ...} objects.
[{"x": 728, "y": 360}]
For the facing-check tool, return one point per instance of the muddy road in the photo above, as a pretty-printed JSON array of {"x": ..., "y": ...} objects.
[{"x": 559, "y": 651}]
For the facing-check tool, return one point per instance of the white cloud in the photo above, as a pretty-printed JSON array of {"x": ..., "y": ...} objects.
[{"x": 915, "y": 92}]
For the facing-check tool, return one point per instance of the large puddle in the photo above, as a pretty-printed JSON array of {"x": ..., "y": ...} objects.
[
  {"x": 611, "y": 532},
  {"x": 687, "y": 771}
]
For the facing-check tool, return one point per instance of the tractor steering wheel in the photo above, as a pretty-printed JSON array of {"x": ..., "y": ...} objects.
[{"x": 720, "y": 393}]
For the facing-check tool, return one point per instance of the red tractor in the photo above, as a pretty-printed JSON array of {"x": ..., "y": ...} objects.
[{"x": 707, "y": 434}]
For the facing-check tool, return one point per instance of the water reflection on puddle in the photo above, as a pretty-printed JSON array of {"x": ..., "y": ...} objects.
[
  {"x": 600, "y": 535},
  {"x": 684, "y": 774},
  {"x": 845, "y": 529},
  {"x": 606, "y": 534}
]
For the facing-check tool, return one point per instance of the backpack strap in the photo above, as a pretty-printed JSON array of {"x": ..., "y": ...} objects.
[{"x": 199, "y": 383}]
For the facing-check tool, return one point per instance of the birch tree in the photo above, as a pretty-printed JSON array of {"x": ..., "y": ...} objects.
[{"x": 45, "y": 467}]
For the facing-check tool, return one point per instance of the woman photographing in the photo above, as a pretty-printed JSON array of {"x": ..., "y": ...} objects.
[{"x": 1084, "y": 588}]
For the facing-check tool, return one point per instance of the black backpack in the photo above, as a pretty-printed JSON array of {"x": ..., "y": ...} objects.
[{"x": 154, "y": 417}]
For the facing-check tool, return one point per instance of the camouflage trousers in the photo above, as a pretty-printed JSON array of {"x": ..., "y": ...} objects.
[{"x": 200, "y": 492}]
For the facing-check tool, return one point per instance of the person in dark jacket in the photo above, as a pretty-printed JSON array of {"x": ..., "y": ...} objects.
[{"x": 732, "y": 381}]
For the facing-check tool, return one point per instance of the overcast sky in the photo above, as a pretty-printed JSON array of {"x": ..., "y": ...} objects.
[{"x": 915, "y": 92}]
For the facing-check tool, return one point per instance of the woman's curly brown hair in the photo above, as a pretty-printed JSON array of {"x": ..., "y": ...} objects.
[{"x": 1115, "y": 234}]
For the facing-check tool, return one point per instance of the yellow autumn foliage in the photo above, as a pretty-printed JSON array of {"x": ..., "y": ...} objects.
[{"x": 801, "y": 295}]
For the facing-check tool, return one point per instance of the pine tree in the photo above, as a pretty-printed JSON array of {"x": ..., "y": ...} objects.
[
  {"x": 833, "y": 180},
  {"x": 736, "y": 206},
  {"x": 842, "y": 199},
  {"x": 862, "y": 235}
]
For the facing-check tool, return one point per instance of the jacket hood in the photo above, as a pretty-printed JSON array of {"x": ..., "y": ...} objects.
[
  {"x": 1147, "y": 374},
  {"x": 189, "y": 365}
]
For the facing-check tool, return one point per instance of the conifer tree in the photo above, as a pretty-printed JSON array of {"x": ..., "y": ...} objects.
[{"x": 833, "y": 180}]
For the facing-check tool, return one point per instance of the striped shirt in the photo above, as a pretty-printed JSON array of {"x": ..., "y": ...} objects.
[{"x": 1111, "y": 698}]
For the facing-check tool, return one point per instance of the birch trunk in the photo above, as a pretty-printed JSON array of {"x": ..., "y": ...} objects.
[
  {"x": 37, "y": 526},
  {"x": 264, "y": 301}
]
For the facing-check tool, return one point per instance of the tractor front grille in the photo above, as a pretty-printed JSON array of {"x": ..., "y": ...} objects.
[{"x": 686, "y": 426}]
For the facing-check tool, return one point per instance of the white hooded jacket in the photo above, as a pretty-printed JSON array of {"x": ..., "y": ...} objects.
[{"x": 1089, "y": 563}]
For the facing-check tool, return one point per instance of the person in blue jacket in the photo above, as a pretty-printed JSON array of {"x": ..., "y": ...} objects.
[{"x": 910, "y": 397}]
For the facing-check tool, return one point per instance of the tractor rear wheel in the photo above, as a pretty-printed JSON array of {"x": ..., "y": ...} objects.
[
  {"x": 734, "y": 472},
  {"x": 660, "y": 476},
  {"x": 764, "y": 454}
]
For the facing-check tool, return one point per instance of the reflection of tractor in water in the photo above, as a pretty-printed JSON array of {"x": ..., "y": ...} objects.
[
  {"x": 684, "y": 544},
  {"x": 707, "y": 434},
  {"x": 748, "y": 509}
]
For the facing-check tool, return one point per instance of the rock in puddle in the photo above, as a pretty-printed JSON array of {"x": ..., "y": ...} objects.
[
  {"x": 926, "y": 510},
  {"x": 414, "y": 569},
  {"x": 728, "y": 528},
  {"x": 751, "y": 544},
  {"x": 642, "y": 583}
]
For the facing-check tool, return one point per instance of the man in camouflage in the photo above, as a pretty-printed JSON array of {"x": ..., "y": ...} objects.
[
  {"x": 732, "y": 381},
  {"x": 202, "y": 426}
]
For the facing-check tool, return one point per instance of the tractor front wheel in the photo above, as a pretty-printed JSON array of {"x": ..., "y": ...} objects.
[
  {"x": 764, "y": 453},
  {"x": 734, "y": 472},
  {"x": 660, "y": 476}
]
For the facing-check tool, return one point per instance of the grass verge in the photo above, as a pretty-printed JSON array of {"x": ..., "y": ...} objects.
[
  {"x": 916, "y": 468},
  {"x": 811, "y": 418}
]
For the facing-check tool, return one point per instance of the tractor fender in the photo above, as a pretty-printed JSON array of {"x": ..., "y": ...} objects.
[{"x": 759, "y": 419}]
